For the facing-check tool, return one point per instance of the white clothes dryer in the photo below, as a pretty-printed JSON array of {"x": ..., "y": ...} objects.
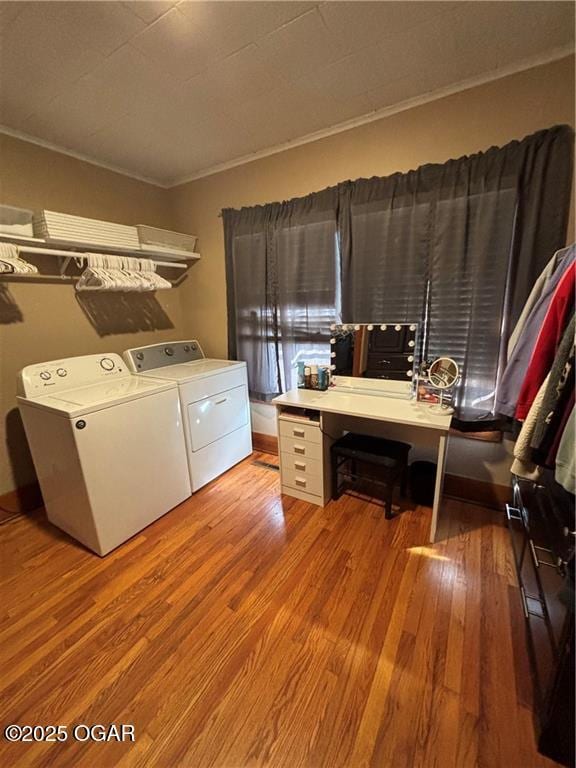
[
  {"x": 108, "y": 446},
  {"x": 214, "y": 400}
]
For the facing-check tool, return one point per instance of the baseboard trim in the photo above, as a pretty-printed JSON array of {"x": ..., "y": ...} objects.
[
  {"x": 465, "y": 488},
  {"x": 21, "y": 501},
  {"x": 476, "y": 491},
  {"x": 265, "y": 443}
]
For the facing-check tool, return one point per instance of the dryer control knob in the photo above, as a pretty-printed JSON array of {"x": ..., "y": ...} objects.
[
  {"x": 62, "y": 372},
  {"x": 107, "y": 363},
  {"x": 45, "y": 375}
]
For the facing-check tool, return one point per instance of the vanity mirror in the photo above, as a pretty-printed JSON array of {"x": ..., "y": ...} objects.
[
  {"x": 442, "y": 375},
  {"x": 374, "y": 350}
]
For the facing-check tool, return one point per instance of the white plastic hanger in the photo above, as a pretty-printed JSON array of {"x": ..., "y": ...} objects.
[
  {"x": 12, "y": 263},
  {"x": 120, "y": 273}
]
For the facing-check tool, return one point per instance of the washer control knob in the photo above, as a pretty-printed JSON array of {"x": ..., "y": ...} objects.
[
  {"x": 194, "y": 347},
  {"x": 45, "y": 375},
  {"x": 168, "y": 351},
  {"x": 62, "y": 372},
  {"x": 107, "y": 364},
  {"x": 140, "y": 356},
  {"x": 186, "y": 348}
]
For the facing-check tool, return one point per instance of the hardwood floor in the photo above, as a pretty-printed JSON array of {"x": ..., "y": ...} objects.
[{"x": 243, "y": 629}]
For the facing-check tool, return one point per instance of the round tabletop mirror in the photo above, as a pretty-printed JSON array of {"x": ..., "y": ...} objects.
[{"x": 443, "y": 374}]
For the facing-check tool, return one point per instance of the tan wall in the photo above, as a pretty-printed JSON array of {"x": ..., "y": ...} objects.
[
  {"x": 52, "y": 323},
  {"x": 469, "y": 121}
]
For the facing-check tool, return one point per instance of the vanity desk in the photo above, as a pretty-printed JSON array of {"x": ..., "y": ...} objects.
[{"x": 309, "y": 422}]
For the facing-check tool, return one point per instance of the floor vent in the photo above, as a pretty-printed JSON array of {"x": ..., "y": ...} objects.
[{"x": 266, "y": 464}]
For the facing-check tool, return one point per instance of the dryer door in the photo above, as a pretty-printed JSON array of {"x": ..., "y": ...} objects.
[{"x": 217, "y": 416}]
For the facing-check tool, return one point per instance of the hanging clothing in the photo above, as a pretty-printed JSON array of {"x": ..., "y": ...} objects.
[
  {"x": 560, "y": 309},
  {"x": 565, "y": 473},
  {"x": 539, "y": 289},
  {"x": 556, "y": 397},
  {"x": 568, "y": 410},
  {"x": 523, "y": 465},
  {"x": 518, "y": 362}
]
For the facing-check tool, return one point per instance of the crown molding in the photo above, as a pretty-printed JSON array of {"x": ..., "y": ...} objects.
[
  {"x": 378, "y": 114},
  {"x": 5, "y": 130}
]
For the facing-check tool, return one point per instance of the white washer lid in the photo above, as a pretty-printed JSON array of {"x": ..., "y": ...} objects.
[
  {"x": 198, "y": 369},
  {"x": 96, "y": 397}
]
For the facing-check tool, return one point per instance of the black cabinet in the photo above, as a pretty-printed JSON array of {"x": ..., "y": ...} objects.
[{"x": 541, "y": 523}]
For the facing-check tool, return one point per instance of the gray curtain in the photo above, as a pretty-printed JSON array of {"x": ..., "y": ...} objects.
[
  {"x": 251, "y": 297},
  {"x": 282, "y": 278},
  {"x": 307, "y": 274},
  {"x": 455, "y": 246}
]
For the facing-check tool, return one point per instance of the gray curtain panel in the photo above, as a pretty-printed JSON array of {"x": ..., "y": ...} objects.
[
  {"x": 251, "y": 297},
  {"x": 282, "y": 277},
  {"x": 454, "y": 246},
  {"x": 307, "y": 272},
  {"x": 457, "y": 248}
]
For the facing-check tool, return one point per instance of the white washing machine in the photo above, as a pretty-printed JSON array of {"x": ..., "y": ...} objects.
[
  {"x": 214, "y": 399},
  {"x": 108, "y": 446}
]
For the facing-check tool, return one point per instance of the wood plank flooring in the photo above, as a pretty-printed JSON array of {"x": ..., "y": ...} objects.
[{"x": 246, "y": 629}]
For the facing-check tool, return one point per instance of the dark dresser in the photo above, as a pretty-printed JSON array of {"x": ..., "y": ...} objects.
[
  {"x": 391, "y": 352},
  {"x": 542, "y": 527}
]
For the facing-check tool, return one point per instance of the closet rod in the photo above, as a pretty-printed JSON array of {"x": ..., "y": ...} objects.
[{"x": 84, "y": 256}]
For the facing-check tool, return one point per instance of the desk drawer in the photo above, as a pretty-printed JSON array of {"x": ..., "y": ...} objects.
[
  {"x": 300, "y": 480},
  {"x": 309, "y": 432},
  {"x": 300, "y": 448},
  {"x": 301, "y": 464}
]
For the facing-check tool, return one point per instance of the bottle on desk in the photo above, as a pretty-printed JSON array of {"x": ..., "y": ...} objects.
[{"x": 314, "y": 377}]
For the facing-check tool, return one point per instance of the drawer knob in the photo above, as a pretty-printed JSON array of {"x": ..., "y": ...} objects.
[
  {"x": 300, "y": 481},
  {"x": 300, "y": 465},
  {"x": 298, "y": 432},
  {"x": 299, "y": 449}
]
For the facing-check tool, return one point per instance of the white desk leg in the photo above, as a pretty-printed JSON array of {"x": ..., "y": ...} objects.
[{"x": 439, "y": 484}]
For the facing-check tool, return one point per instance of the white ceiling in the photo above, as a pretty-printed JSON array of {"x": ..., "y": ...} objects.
[{"x": 171, "y": 90}]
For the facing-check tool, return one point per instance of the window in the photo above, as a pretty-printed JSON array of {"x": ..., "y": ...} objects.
[{"x": 454, "y": 246}]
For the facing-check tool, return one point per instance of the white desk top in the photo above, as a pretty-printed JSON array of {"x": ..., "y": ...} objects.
[{"x": 380, "y": 408}]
